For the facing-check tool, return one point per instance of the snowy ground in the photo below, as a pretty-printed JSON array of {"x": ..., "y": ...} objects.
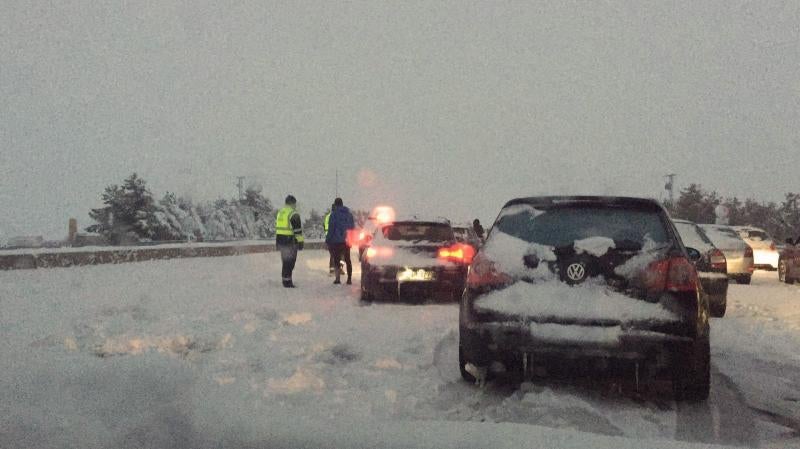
[{"x": 214, "y": 352}]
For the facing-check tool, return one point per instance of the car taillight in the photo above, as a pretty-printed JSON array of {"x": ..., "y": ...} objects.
[
  {"x": 772, "y": 246},
  {"x": 748, "y": 252},
  {"x": 378, "y": 251},
  {"x": 483, "y": 273},
  {"x": 717, "y": 259},
  {"x": 460, "y": 252},
  {"x": 675, "y": 274}
]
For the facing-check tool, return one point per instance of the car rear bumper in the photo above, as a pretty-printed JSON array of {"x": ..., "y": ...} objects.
[
  {"x": 382, "y": 283},
  {"x": 487, "y": 342},
  {"x": 740, "y": 266}
]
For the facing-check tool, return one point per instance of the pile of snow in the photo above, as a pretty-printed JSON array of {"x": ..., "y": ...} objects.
[
  {"x": 517, "y": 209},
  {"x": 557, "y": 300},
  {"x": 633, "y": 267},
  {"x": 508, "y": 254},
  {"x": 595, "y": 246}
]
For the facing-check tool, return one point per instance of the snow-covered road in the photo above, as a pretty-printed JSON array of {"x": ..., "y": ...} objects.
[{"x": 214, "y": 352}]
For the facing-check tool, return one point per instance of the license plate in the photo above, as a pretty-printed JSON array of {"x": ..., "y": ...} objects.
[{"x": 410, "y": 274}]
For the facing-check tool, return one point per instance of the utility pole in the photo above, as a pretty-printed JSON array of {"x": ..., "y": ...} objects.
[
  {"x": 337, "y": 183},
  {"x": 670, "y": 187},
  {"x": 240, "y": 185}
]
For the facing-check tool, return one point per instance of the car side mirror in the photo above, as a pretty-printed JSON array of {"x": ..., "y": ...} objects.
[{"x": 694, "y": 255}]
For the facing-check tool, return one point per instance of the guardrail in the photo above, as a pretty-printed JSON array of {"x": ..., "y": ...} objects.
[{"x": 131, "y": 254}]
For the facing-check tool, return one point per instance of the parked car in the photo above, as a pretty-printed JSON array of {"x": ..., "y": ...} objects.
[
  {"x": 789, "y": 262},
  {"x": 738, "y": 254},
  {"x": 414, "y": 259},
  {"x": 597, "y": 279},
  {"x": 711, "y": 267},
  {"x": 466, "y": 234},
  {"x": 765, "y": 253}
]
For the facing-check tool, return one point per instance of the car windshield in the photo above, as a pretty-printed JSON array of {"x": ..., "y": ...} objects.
[
  {"x": 562, "y": 226},
  {"x": 693, "y": 236},
  {"x": 417, "y": 232}
]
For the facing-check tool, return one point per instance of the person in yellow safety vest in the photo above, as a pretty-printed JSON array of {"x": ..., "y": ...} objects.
[
  {"x": 288, "y": 238},
  {"x": 325, "y": 222}
]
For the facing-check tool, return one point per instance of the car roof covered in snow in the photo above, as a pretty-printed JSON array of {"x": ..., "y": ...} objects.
[{"x": 614, "y": 201}]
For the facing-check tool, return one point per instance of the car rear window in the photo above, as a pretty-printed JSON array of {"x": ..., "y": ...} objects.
[
  {"x": 724, "y": 238},
  {"x": 757, "y": 235},
  {"x": 414, "y": 232},
  {"x": 562, "y": 226},
  {"x": 693, "y": 236}
]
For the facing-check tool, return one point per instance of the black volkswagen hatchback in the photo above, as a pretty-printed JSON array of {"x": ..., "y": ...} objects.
[{"x": 575, "y": 278}]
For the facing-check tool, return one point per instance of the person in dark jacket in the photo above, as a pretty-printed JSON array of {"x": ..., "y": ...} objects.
[
  {"x": 476, "y": 225},
  {"x": 288, "y": 238},
  {"x": 340, "y": 222}
]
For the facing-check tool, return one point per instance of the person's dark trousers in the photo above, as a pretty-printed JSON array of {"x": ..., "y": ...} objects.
[
  {"x": 332, "y": 264},
  {"x": 342, "y": 252},
  {"x": 288, "y": 259}
]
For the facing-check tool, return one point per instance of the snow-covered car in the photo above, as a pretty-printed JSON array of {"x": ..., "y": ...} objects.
[
  {"x": 593, "y": 279},
  {"x": 711, "y": 268},
  {"x": 789, "y": 262},
  {"x": 738, "y": 254},
  {"x": 413, "y": 260},
  {"x": 765, "y": 253},
  {"x": 466, "y": 234}
]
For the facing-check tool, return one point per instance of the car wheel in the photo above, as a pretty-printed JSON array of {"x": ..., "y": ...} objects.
[
  {"x": 745, "y": 279},
  {"x": 783, "y": 276},
  {"x": 719, "y": 307},
  {"x": 462, "y": 364},
  {"x": 691, "y": 378},
  {"x": 366, "y": 296}
]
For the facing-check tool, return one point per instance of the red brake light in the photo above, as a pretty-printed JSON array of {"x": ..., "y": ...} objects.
[
  {"x": 718, "y": 261},
  {"x": 355, "y": 237},
  {"x": 378, "y": 251},
  {"x": 748, "y": 252},
  {"x": 676, "y": 274},
  {"x": 772, "y": 246},
  {"x": 459, "y": 252}
]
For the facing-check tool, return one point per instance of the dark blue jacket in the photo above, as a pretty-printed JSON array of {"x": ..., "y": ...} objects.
[{"x": 340, "y": 222}]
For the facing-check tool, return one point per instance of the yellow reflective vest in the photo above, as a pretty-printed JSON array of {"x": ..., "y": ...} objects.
[
  {"x": 325, "y": 222},
  {"x": 283, "y": 224}
]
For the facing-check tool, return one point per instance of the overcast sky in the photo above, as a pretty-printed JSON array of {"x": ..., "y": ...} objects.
[{"x": 445, "y": 108}]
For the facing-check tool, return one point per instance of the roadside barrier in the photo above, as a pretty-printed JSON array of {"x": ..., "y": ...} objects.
[{"x": 73, "y": 258}]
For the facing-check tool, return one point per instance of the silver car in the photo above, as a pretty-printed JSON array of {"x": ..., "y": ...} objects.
[
  {"x": 765, "y": 253},
  {"x": 738, "y": 253}
]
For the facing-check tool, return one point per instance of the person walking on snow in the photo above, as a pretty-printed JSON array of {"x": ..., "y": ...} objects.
[
  {"x": 288, "y": 238},
  {"x": 341, "y": 221},
  {"x": 476, "y": 226}
]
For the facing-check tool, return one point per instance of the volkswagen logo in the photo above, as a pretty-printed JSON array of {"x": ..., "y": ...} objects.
[{"x": 576, "y": 272}]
